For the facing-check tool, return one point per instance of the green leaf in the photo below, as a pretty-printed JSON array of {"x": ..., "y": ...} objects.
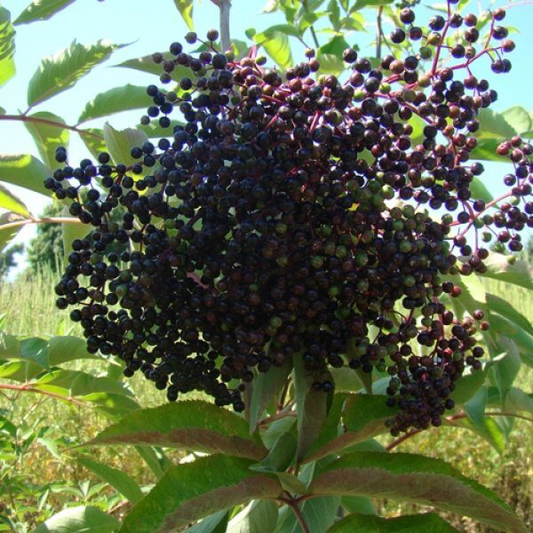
[
  {"x": 358, "y": 504},
  {"x": 80, "y": 383},
  {"x": 265, "y": 387},
  {"x": 10, "y": 202},
  {"x": 360, "y": 4},
  {"x": 70, "y": 231},
  {"x": 79, "y": 520},
  {"x": 154, "y": 130},
  {"x": 364, "y": 417},
  {"x": 41, "y": 10},
  {"x": 479, "y": 191},
  {"x": 311, "y": 406},
  {"x": 154, "y": 459},
  {"x": 7, "y": 47},
  {"x": 111, "y": 405},
  {"x": 277, "y": 46},
  {"x": 519, "y": 119},
  {"x": 190, "y": 425},
  {"x": 61, "y": 71},
  {"x": 146, "y": 64},
  {"x": 417, "y": 479},
  {"x": 346, "y": 379},
  {"x": 48, "y": 137},
  {"x": 504, "y": 308},
  {"x": 93, "y": 138},
  {"x": 521, "y": 338},
  {"x": 114, "y": 101},
  {"x": 36, "y": 350},
  {"x": 287, "y": 29},
  {"x": 419, "y": 523},
  {"x": 486, "y": 150},
  {"x": 505, "y": 372},
  {"x": 21, "y": 371},
  {"x": 120, "y": 142},
  {"x": 257, "y": 517},
  {"x": 185, "y": 9},
  {"x": 330, "y": 56},
  {"x": 119, "y": 480},
  {"x": 215, "y": 523},
  {"x": 518, "y": 400},
  {"x": 68, "y": 348},
  {"x": 25, "y": 171},
  {"x": 334, "y": 14},
  {"x": 190, "y": 491},
  {"x": 494, "y": 125},
  {"x": 280, "y": 456},
  {"x": 319, "y": 513},
  {"x": 509, "y": 270},
  {"x": 331, "y": 426}
]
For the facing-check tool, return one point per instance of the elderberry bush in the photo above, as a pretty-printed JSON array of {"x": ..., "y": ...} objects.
[{"x": 299, "y": 215}]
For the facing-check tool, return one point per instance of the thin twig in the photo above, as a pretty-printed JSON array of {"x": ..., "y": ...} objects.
[
  {"x": 44, "y": 220},
  {"x": 24, "y": 118},
  {"x": 311, "y": 27},
  {"x": 28, "y": 388},
  {"x": 451, "y": 419},
  {"x": 297, "y": 512},
  {"x": 380, "y": 33}
]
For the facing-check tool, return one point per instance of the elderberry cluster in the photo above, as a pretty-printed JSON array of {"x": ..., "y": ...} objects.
[{"x": 296, "y": 215}]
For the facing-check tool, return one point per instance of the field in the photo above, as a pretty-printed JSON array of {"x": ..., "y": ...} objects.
[{"x": 42, "y": 476}]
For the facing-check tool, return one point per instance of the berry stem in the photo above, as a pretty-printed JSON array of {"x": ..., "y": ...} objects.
[
  {"x": 297, "y": 512},
  {"x": 452, "y": 419},
  {"x": 25, "y": 118}
]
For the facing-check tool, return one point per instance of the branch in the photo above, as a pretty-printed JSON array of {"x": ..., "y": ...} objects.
[
  {"x": 44, "y": 220},
  {"x": 451, "y": 419},
  {"x": 24, "y": 118},
  {"x": 312, "y": 28},
  {"x": 380, "y": 33},
  {"x": 27, "y": 388},
  {"x": 224, "y": 6},
  {"x": 297, "y": 512}
]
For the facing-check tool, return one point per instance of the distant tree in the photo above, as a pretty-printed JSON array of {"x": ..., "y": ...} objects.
[
  {"x": 7, "y": 259},
  {"x": 46, "y": 249}
]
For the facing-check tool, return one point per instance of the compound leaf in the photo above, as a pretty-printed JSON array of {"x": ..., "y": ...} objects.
[
  {"x": 191, "y": 491},
  {"x": 192, "y": 425},
  {"x": 42, "y": 10}
]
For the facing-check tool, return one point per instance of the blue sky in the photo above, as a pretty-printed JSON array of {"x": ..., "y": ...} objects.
[{"x": 151, "y": 26}]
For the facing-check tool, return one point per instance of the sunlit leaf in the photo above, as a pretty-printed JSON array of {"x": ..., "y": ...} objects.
[
  {"x": 42, "y": 10},
  {"x": 7, "y": 46},
  {"x": 79, "y": 520},
  {"x": 12, "y": 203},
  {"x": 25, "y": 171},
  {"x": 185, "y": 9}
]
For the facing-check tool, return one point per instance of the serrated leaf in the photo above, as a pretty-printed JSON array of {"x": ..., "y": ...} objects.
[
  {"x": 420, "y": 523},
  {"x": 113, "y": 406},
  {"x": 21, "y": 371},
  {"x": 120, "y": 142},
  {"x": 61, "y": 71},
  {"x": 330, "y": 56},
  {"x": 93, "y": 138},
  {"x": 25, "y": 171},
  {"x": 68, "y": 348},
  {"x": 509, "y": 270},
  {"x": 190, "y": 491},
  {"x": 504, "y": 308},
  {"x": 70, "y": 231},
  {"x": 480, "y": 191},
  {"x": 494, "y": 125},
  {"x": 154, "y": 130},
  {"x": 280, "y": 456},
  {"x": 277, "y": 46},
  {"x": 311, "y": 406},
  {"x": 265, "y": 387},
  {"x": 364, "y": 417},
  {"x": 257, "y": 517},
  {"x": 518, "y": 118},
  {"x": 42, "y": 10},
  {"x": 185, "y": 9},
  {"x": 505, "y": 372},
  {"x": 7, "y": 46},
  {"x": 215, "y": 523},
  {"x": 36, "y": 350},
  {"x": 48, "y": 137},
  {"x": 12, "y": 203},
  {"x": 417, "y": 479},
  {"x": 191, "y": 425},
  {"x": 119, "y": 480},
  {"x": 115, "y": 100},
  {"x": 79, "y": 520},
  {"x": 146, "y": 64}
]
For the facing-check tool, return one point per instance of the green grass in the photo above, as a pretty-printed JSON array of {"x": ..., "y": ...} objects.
[{"x": 28, "y": 305}]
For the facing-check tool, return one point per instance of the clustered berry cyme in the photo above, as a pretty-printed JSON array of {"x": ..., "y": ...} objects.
[{"x": 296, "y": 215}]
